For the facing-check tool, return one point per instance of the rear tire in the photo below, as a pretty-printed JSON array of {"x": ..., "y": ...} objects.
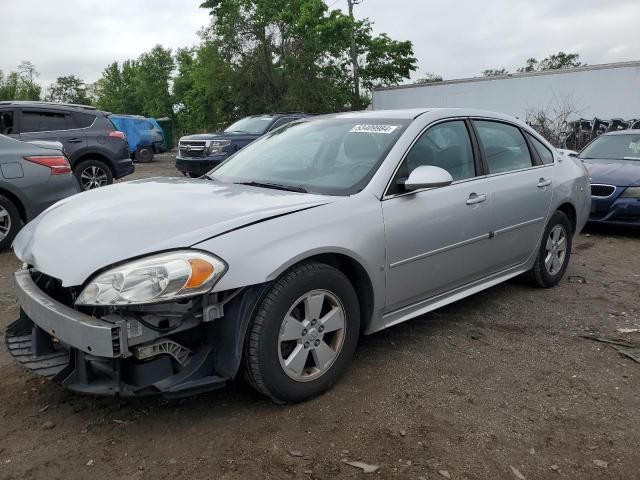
[
  {"x": 303, "y": 335},
  {"x": 144, "y": 155},
  {"x": 554, "y": 252},
  {"x": 93, "y": 174},
  {"x": 10, "y": 222}
]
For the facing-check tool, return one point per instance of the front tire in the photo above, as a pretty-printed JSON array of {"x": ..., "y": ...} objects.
[
  {"x": 554, "y": 252},
  {"x": 303, "y": 335},
  {"x": 10, "y": 222}
]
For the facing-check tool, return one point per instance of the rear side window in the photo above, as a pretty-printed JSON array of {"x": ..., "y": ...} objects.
[
  {"x": 504, "y": 146},
  {"x": 41, "y": 121},
  {"x": 83, "y": 120},
  {"x": 545, "y": 154}
]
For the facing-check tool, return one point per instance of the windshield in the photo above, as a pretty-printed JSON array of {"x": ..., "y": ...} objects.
[
  {"x": 333, "y": 156},
  {"x": 613, "y": 147},
  {"x": 253, "y": 125}
]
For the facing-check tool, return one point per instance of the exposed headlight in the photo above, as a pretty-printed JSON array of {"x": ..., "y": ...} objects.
[
  {"x": 218, "y": 146},
  {"x": 631, "y": 192},
  {"x": 167, "y": 276}
]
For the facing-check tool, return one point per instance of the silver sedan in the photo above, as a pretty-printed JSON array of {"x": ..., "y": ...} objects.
[{"x": 274, "y": 263}]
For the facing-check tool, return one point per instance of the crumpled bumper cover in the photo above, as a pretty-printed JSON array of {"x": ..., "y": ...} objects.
[{"x": 89, "y": 355}]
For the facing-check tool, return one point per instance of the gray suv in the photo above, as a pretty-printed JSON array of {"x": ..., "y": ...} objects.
[{"x": 98, "y": 152}]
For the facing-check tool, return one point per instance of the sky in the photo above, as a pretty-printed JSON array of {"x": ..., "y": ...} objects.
[{"x": 455, "y": 39}]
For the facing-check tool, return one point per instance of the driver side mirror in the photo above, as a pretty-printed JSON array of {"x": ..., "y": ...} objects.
[{"x": 427, "y": 176}]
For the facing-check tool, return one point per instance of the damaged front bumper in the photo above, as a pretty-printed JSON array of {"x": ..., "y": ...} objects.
[{"x": 116, "y": 354}]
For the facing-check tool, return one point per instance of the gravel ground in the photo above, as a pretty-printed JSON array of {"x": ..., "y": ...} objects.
[{"x": 500, "y": 385}]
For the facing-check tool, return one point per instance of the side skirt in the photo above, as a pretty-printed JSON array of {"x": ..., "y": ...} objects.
[{"x": 424, "y": 306}]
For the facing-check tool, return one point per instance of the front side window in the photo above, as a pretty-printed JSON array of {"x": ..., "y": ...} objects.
[
  {"x": 281, "y": 121},
  {"x": 38, "y": 121},
  {"x": 334, "y": 156},
  {"x": 613, "y": 147},
  {"x": 251, "y": 125},
  {"x": 446, "y": 145},
  {"x": 6, "y": 122},
  {"x": 504, "y": 146}
]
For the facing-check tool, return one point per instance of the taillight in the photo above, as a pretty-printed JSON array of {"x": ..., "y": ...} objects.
[
  {"x": 59, "y": 165},
  {"x": 118, "y": 134}
]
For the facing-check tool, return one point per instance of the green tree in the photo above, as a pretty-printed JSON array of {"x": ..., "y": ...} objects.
[
  {"x": 152, "y": 77},
  {"x": 495, "y": 72},
  {"x": 20, "y": 85},
  {"x": 69, "y": 89},
  {"x": 430, "y": 78},
  {"x": 557, "y": 61},
  {"x": 295, "y": 54}
]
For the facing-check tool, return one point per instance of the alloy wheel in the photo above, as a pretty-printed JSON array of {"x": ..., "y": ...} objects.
[
  {"x": 311, "y": 335},
  {"x": 93, "y": 177},
  {"x": 556, "y": 250},
  {"x": 5, "y": 223}
]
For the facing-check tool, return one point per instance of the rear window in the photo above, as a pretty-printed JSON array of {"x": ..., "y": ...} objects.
[
  {"x": 42, "y": 121},
  {"x": 545, "y": 154}
]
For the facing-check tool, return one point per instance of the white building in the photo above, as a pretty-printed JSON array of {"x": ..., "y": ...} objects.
[{"x": 604, "y": 91}]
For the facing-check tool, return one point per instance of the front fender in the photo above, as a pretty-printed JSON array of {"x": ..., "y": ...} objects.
[{"x": 259, "y": 253}]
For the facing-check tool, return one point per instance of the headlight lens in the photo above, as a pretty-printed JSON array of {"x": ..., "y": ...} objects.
[
  {"x": 218, "y": 146},
  {"x": 167, "y": 276},
  {"x": 631, "y": 192}
]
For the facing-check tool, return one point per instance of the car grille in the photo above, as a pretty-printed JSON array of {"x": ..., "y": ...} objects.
[
  {"x": 192, "y": 149},
  {"x": 602, "y": 190}
]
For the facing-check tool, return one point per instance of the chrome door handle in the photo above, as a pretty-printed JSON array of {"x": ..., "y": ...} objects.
[
  {"x": 543, "y": 182},
  {"x": 474, "y": 199}
]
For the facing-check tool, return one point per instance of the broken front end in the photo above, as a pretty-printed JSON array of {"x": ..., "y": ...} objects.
[{"x": 174, "y": 348}]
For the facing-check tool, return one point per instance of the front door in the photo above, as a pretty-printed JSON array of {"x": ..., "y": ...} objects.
[{"x": 437, "y": 238}]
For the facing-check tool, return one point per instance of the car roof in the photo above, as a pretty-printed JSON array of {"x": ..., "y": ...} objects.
[
  {"x": 54, "y": 105},
  {"x": 625, "y": 132},
  {"x": 413, "y": 113}
]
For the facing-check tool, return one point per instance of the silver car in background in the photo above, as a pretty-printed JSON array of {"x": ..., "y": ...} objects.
[{"x": 276, "y": 261}]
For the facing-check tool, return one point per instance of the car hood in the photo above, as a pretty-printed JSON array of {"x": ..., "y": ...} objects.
[
  {"x": 220, "y": 136},
  {"x": 95, "y": 229},
  {"x": 621, "y": 173}
]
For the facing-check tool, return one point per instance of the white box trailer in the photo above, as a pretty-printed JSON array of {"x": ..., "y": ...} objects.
[{"x": 604, "y": 91}]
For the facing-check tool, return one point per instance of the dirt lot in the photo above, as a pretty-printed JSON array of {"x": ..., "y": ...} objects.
[{"x": 497, "y": 382}]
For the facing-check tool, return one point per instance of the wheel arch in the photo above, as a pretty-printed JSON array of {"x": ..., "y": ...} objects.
[
  {"x": 355, "y": 272},
  {"x": 570, "y": 211},
  {"x": 90, "y": 155},
  {"x": 17, "y": 202}
]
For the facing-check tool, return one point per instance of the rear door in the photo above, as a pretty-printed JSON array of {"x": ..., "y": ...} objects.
[
  {"x": 52, "y": 125},
  {"x": 520, "y": 186}
]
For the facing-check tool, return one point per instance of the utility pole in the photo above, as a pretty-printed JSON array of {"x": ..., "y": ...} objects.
[{"x": 354, "y": 57}]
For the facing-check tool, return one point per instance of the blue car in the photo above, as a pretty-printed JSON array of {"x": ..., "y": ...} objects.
[
  {"x": 613, "y": 161},
  {"x": 139, "y": 135}
]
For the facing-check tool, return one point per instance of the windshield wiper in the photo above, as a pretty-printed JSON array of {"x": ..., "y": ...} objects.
[{"x": 274, "y": 186}]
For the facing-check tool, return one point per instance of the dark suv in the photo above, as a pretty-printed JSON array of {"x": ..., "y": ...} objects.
[
  {"x": 97, "y": 151},
  {"x": 197, "y": 154}
]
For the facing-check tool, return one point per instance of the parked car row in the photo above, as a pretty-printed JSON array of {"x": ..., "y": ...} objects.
[{"x": 97, "y": 151}]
